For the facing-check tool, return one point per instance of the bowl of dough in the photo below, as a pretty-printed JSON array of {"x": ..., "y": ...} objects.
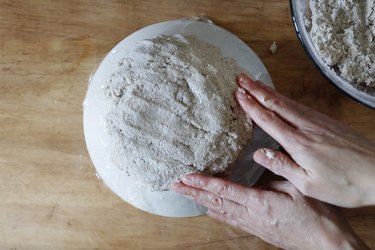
[
  {"x": 339, "y": 37},
  {"x": 160, "y": 105}
]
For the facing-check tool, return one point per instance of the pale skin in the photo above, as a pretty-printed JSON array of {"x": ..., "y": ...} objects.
[
  {"x": 325, "y": 160},
  {"x": 279, "y": 214}
]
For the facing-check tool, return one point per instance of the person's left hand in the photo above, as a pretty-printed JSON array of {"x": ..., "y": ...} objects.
[{"x": 280, "y": 214}]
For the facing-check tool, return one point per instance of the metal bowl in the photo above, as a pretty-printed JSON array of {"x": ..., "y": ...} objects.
[{"x": 300, "y": 12}]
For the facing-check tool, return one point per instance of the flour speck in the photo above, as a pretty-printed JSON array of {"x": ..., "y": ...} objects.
[{"x": 273, "y": 48}]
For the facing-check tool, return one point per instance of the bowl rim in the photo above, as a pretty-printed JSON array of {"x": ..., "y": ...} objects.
[{"x": 297, "y": 28}]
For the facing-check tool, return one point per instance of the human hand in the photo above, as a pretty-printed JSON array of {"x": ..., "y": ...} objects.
[
  {"x": 327, "y": 160},
  {"x": 280, "y": 215}
]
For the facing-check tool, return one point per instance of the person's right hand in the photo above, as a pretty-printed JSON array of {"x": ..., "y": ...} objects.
[{"x": 326, "y": 160}]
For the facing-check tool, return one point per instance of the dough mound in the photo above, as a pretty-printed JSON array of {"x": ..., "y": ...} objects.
[{"x": 173, "y": 112}]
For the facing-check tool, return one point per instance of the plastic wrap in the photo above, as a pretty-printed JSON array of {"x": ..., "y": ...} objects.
[{"x": 96, "y": 106}]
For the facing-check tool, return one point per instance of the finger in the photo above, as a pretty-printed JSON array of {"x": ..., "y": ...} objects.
[
  {"x": 266, "y": 119},
  {"x": 208, "y": 199},
  {"x": 283, "y": 187},
  {"x": 222, "y": 188},
  {"x": 280, "y": 164},
  {"x": 272, "y": 100},
  {"x": 296, "y": 114}
]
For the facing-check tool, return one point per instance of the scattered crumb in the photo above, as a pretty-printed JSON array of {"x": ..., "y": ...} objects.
[
  {"x": 52, "y": 209},
  {"x": 97, "y": 176},
  {"x": 273, "y": 47},
  {"x": 241, "y": 90}
]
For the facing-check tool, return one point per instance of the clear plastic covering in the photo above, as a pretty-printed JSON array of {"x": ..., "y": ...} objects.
[{"x": 96, "y": 106}]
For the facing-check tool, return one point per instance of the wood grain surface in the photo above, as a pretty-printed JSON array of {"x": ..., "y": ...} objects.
[{"x": 50, "y": 197}]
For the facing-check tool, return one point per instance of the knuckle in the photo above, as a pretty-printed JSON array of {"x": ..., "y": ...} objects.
[
  {"x": 274, "y": 104},
  {"x": 222, "y": 189},
  {"x": 268, "y": 210},
  {"x": 267, "y": 116},
  {"x": 265, "y": 206},
  {"x": 216, "y": 202}
]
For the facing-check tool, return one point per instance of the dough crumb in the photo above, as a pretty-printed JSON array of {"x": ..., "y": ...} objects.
[
  {"x": 273, "y": 48},
  {"x": 241, "y": 90}
]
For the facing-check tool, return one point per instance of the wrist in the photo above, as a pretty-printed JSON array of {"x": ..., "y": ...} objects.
[
  {"x": 346, "y": 241},
  {"x": 340, "y": 236},
  {"x": 351, "y": 242}
]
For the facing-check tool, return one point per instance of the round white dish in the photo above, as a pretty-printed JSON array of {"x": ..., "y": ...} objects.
[{"x": 165, "y": 203}]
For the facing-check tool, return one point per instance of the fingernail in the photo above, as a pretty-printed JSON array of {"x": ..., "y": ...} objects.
[
  {"x": 241, "y": 78},
  {"x": 192, "y": 180},
  {"x": 188, "y": 179},
  {"x": 241, "y": 93},
  {"x": 217, "y": 202}
]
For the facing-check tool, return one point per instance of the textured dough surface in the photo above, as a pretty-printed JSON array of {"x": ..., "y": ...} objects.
[
  {"x": 344, "y": 35},
  {"x": 173, "y": 111}
]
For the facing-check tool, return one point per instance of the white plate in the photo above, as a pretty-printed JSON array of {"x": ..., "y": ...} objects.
[{"x": 165, "y": 203}]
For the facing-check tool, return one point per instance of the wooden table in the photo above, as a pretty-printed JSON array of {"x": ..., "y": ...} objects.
[{"x": 50, "y": 197}]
